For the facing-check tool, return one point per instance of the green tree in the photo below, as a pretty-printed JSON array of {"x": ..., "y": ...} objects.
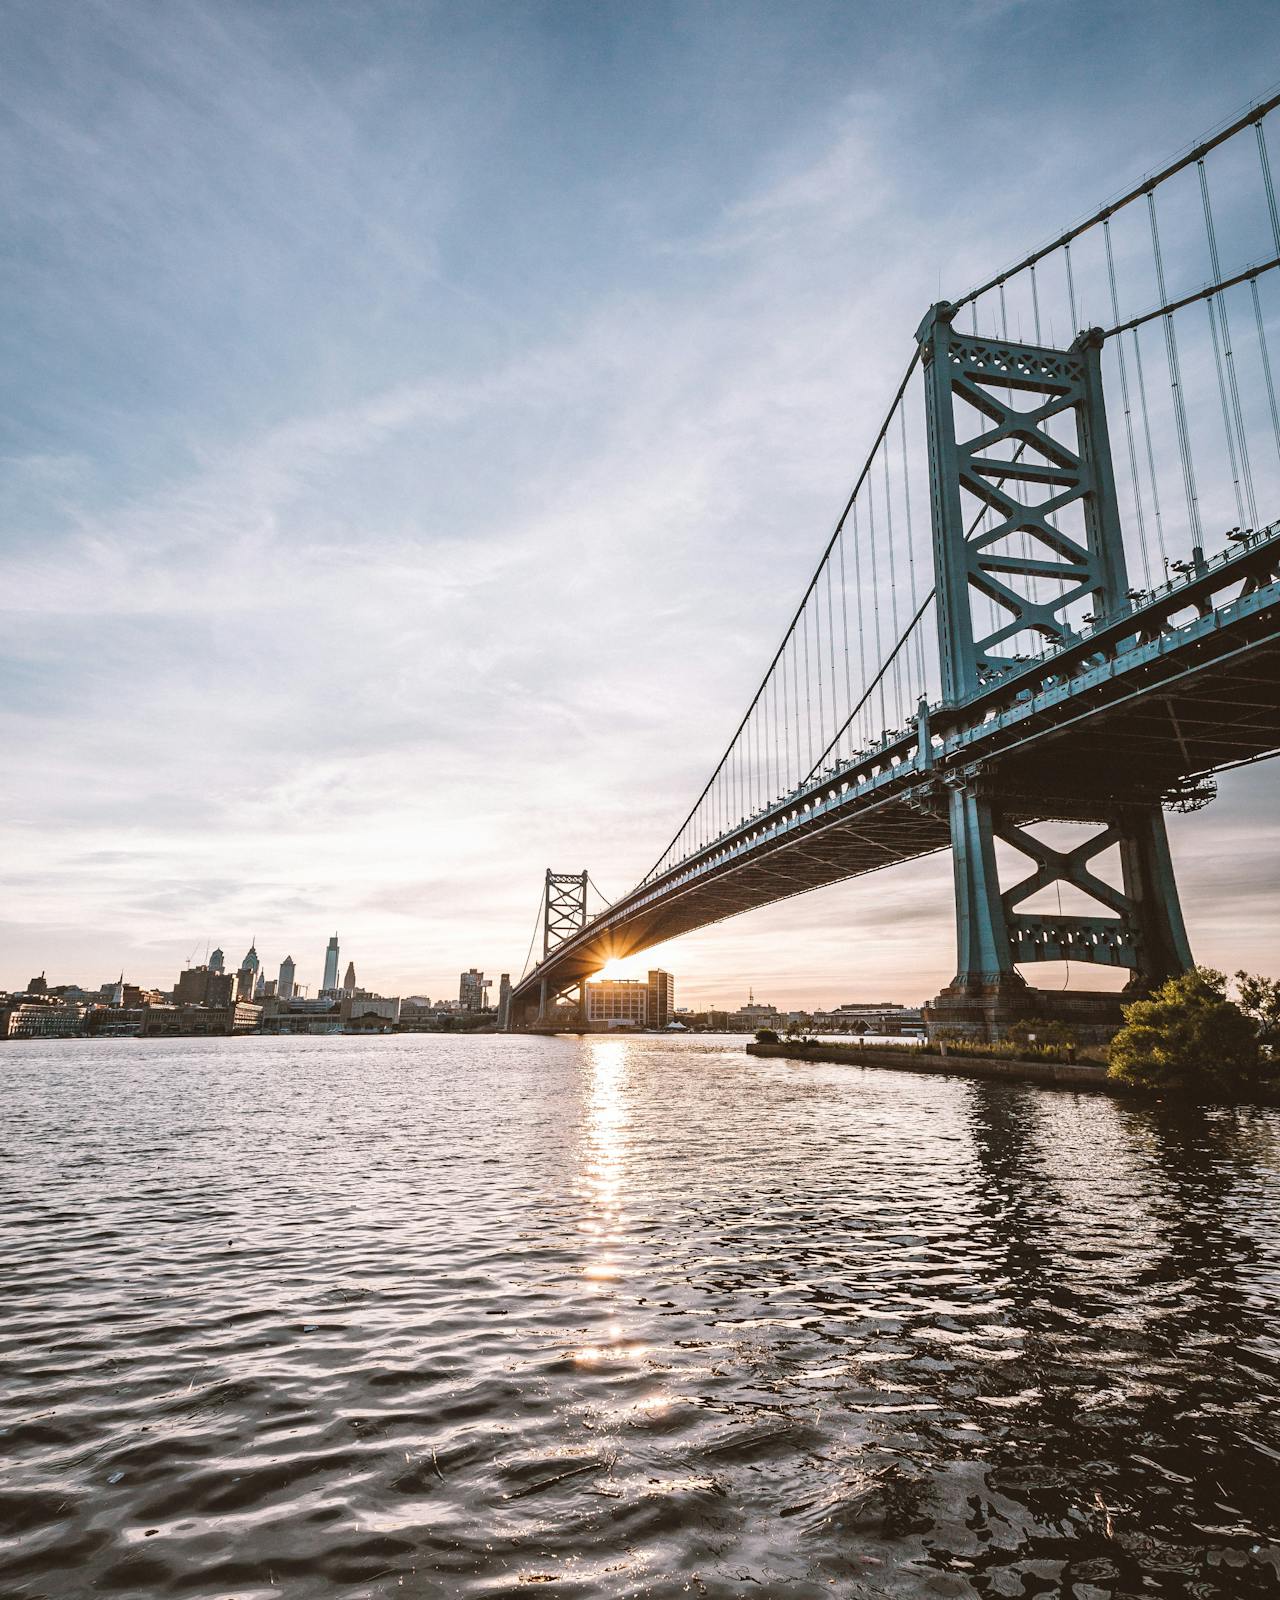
[
  {"x": 1188, "y": 1037},
  {"x": 766, "y": 1036},
  {"x": 1260, "y": 1001}
]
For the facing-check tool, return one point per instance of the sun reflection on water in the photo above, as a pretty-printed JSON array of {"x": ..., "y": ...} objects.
[{"x": 604, "y": 1187}]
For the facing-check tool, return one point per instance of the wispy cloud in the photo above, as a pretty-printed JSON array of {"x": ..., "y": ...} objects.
[{"x": 420, "y": 443}]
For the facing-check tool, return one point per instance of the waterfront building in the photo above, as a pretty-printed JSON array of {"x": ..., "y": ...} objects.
[
  {"x": 297, "y": 1014},
  {"x": 204, "y": 986},
  {"x": 472, "y": 986},
  {"x": 369, "y": 1013},
  {"x": 169, "y": 1019},
  {"x": 755, "y": 1014},
  {"x": 418, "y": 1015},
  {"x": 36, "y": 1015},
  {"x": 349, "y": 982},
  {"x": 885, "y": 1016},
  {"x": 631, "y": 1002},
  {"x": 285, "y": 985},
  {"x": 116, "y": 1022}
]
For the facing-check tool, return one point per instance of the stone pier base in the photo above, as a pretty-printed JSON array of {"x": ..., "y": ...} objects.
[{"x": 988, "y": 1011}]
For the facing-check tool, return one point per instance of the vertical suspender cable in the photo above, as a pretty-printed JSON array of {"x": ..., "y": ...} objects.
[
  {"x": 1035, "y": 302},
  {"x": 831, "y": 652},
  {"x": 786, "y": 723},
  {"x": 777, "y": 747},
  {"x": 1175, "y": 385},
  {"x": 1266, "y": 362},
  {"x": 808, "y": 685},
  {"x": 817, "y": 658},
  {"x": 761, "y": 716},
  {"x": 1257, "y": 303},
  {"x": 763, "y": 747},
  {"x": 844, "y": 612},
  {"x": 795, "y": 688},
  {"x": 1151, "y": 459},
  {"x": 893, "y": 587},
  {"x": 768, "y": 743},
  {"x": 862, "y": 625},
  {"x": 911, "y": 555},
  {"x": 1071, "y": 290},
  {"x": 875, "y": 591},
  {"x": 1233, "y": 388},
  {"x": 1226, "y": 415},
  {"x": 1267, "y": 184},
  {"x": 1128, "y": 412}
]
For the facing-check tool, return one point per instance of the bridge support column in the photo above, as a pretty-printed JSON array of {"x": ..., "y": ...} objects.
[
  {"x": 1154, "y": 909},
  {"x": 987, "y": 993},
  {"x": 982, "y": 936}
]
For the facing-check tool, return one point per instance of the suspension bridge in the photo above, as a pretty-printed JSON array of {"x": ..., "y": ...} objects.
[{"x": 1085, "y": 628}]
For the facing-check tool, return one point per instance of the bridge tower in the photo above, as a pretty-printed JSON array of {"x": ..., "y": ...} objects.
[
  {"x": 564, "y": 913},
  {"x": 1025, "y": 515}
]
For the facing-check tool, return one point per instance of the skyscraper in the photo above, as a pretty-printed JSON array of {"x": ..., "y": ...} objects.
[
  {"x": 247, "y": 977},
  {"x": 285, "y": 987},
  {"x": 349, "y": 982},
  {"x": 331, "y": 965},
  {"x": 217, "y": 962}
]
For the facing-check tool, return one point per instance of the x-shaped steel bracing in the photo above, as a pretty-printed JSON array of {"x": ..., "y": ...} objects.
[{"x": 1107, "y": 941}]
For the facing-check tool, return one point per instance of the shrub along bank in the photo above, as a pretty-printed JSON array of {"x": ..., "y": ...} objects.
[{"x": 1191, "y": 1038}]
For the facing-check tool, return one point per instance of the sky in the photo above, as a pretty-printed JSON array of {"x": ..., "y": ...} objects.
[{"x": 422, "y": 420}]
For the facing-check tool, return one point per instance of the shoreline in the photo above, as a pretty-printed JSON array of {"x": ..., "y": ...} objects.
[{"x": 1077, "y": 1075}]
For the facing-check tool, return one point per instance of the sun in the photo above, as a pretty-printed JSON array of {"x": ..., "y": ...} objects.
[{"x": 614, "y": 967}]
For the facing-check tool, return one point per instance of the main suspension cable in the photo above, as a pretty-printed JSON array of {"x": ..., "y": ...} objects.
[{"x": 1253, "y": 116}]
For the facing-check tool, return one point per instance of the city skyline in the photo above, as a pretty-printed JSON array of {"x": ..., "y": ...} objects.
[{"x": 498, "y": 437}]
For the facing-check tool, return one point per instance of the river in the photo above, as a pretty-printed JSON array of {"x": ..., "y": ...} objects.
[{"x": 470, "y": 1316}]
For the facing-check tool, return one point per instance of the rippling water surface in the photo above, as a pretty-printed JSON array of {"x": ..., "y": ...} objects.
[{"x": 436, "y": 1316}]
